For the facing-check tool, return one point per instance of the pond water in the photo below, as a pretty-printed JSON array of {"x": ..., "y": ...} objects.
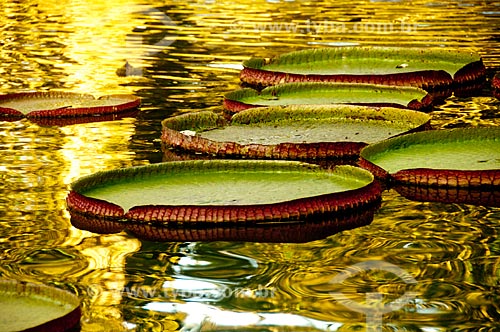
[{"x": 182, "y": 56}]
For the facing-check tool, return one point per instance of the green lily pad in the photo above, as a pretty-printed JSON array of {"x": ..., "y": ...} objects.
[
  {"x": 42, "y": 105},
  {"x": 307, "y": 132},
  {"x": 327, "y": 93},
  {"x": 456, "y": 157},
  {"x": 218, "y": 191},
  {"x": 28, "y": 306},
  {"x": 426, "y": 68}
]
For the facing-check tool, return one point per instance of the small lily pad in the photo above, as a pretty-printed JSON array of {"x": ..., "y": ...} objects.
[
  {"x": 208, "y": 193},
  {"x": 41, "y": 105},
  {"x": 299, "y": 132},
  {"x": 27, "y": 306},
  {"x": 430, "y": 69},
  {"x": 327, "y": 93},
  {"x": 465, "y": 157}
]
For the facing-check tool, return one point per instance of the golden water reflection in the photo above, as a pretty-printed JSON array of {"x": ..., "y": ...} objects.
[{"x": 181, "y": 56}]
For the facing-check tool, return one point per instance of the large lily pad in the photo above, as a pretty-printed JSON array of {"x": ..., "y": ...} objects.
[
  {"x": 430, "y": 69},
  {"x": 299, "y": 132},
  {"x": 210, "y": 193},
  {"x": 327, "y": 93},
  {"x": 42, "y": 105},
  {"x": 32, "y": 307},
  {"x": 454, "y": 158}
]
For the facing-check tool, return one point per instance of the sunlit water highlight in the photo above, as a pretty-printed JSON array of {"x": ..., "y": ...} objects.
[{"x": 181, "y": 56}]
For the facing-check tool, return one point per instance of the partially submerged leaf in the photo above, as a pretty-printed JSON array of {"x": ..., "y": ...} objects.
[
  {"x": 309, "y": 132},
  {"x": 327, "y": 93},
  {"x": 456, "y": 158},
  {"x": 430, "y": 69}
]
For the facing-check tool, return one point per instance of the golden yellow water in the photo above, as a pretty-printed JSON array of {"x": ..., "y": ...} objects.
[{"x": 182, "y": 56}]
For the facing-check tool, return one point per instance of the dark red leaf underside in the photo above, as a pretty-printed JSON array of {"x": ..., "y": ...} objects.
[
  {"x": 292, "y": 210},
  {"x": 88, "y": 205},
  {"x": 482, "y": 196},
  {"x": 288, "y": 151},
  {"x": 449, "y": 178},
  {"x": 428, "y": 80}
]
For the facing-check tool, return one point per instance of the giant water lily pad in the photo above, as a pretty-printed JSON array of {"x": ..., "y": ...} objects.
[
  {"x": 430, "y": 69},
  {"x": 210, "y": 193},
  {"x": 42, "y": 105},
  {"x": 299, "y": 132},
  {"x": 455, "y": 158},
  {"x": 32, "y": 307},
  {"x": 327, "y": 93}
]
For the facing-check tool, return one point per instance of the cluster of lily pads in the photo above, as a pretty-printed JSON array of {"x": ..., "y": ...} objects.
[
  {"x": 310, "y": 141},
  {"x": 272, "y": 159},
  {"x": 303, "y": 151}
]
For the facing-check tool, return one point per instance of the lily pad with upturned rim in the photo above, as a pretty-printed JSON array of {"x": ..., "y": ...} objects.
[
  {"x": 42, "y": 105},
  {"x": 298, "y": 132},
  {"x": 26, "y": 306},
  {"x": 430, "y": 69},
  {"x": 328, "y": 93},
  {"x": 465, "y": 157},
  {"x": 210, "y": 193}
]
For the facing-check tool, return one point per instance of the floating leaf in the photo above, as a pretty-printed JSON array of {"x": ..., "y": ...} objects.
[
  {"x": 299, "y": 132},
  {"x": 430, "y": 69},
  {"x": 210, "y": 193},
  {"x": 454, "y": 158},
  {"x": 327, "y": 93},
  {"x": 50, "y": 105}
]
